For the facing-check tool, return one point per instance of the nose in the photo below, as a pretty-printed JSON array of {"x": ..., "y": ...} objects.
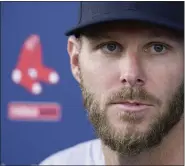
[{"x": 132, "y": 73}]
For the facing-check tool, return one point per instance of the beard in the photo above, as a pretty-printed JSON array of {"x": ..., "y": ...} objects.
[{"x": 132, "y": 143}]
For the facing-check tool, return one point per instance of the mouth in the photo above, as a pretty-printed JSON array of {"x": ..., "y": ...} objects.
[
  {"x": 132, "y": 103},
  {"x": 132, "y": 106}
]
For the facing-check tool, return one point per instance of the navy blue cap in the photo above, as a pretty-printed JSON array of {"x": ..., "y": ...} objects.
[{"x": 169, "y": 14}]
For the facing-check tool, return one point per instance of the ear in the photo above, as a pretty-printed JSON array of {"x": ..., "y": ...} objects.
[{"x": 73, "y": 48}]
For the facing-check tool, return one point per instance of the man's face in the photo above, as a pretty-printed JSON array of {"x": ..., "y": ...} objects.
[{"x": 132, "y": 85}]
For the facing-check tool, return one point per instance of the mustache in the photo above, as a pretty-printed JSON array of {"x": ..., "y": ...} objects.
[{"x": 138, "y": 94}]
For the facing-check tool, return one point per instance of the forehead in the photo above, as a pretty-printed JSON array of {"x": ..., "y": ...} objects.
[{"x": 115, "y": 29}]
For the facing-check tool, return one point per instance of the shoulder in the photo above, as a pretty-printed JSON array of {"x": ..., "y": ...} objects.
[{"x": 88, "y": 152}]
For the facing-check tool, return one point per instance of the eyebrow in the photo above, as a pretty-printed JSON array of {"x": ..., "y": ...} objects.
[
  {"x": 98, "y": 35},
  {"x": 157, "y": 33}
]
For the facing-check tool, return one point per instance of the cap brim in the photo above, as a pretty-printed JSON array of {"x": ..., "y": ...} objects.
[{"x": 126, "y": 16}]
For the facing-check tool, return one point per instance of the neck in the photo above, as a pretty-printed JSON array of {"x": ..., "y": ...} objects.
[{"x": 169, "y": 152}]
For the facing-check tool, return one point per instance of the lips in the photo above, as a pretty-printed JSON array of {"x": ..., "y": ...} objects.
[
  {"x": 132, "y": 103},
  {"x": 131, "y": 106}
]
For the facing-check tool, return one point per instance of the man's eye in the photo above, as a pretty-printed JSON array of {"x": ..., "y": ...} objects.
[
  {"x": 157, "y": 48},
  {"x": 110, "y": 48}
]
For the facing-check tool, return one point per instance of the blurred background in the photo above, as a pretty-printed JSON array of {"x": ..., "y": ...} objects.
[{"x": 41, "y": 103}]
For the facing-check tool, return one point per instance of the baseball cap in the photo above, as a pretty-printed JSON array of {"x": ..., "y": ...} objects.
[{"x": 165, "y": 13}]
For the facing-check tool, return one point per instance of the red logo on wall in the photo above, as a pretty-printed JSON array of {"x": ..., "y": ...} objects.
[{"x": 30, "y": 70}]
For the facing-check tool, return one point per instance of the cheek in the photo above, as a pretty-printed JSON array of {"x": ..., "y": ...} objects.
[
  {"x": 164, "y": 79},
  {"x": 99, "y": 75}
]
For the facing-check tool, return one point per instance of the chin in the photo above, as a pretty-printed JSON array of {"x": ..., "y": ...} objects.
[{"x": 129, "y": 127}]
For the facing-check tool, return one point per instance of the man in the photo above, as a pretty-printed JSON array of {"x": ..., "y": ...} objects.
[{"x": 128, "y": 59}]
